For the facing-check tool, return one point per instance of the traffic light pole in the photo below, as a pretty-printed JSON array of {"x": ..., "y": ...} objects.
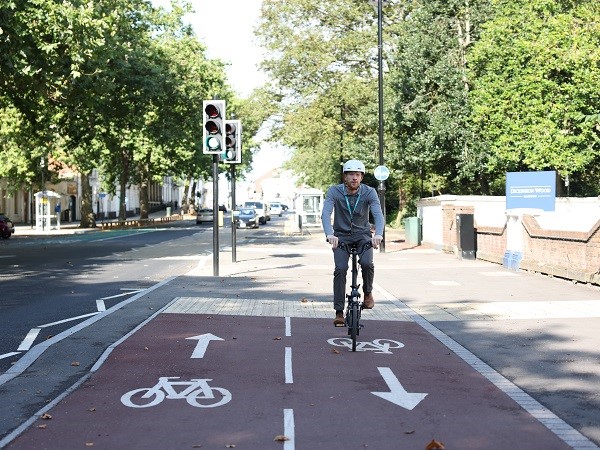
[
  {"x": 380, "y": 85},
  {"x": 233, "y": 224},
  {"x": 215, "y": 175}
]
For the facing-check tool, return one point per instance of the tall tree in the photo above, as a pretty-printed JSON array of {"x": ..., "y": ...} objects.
[
  {"x": 537, "y": 90},
  {"x": 322, "y": 59}
]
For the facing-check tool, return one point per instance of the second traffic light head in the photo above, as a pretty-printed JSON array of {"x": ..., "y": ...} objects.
[{"x": 233, "y": 142}]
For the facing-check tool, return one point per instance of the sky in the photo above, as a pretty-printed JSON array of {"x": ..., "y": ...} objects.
[{"x": 238, "y": 48}]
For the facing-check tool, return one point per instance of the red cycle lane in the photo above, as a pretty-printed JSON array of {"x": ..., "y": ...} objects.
[{"x": 243, "y": 381}]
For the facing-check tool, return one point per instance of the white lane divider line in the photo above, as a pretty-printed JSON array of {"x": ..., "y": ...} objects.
[
  {"x": 124, "y": 294},
  {"x": 8, "y": 355},
  {"x": 100, "y": 306},
  {"x": 288, "y": 327},
  {"x": 70, "y": 319},
  {"x": 289, "y": 379},
  {"x": 28, "y": 341},
  {"x": 289, "y": 429}
]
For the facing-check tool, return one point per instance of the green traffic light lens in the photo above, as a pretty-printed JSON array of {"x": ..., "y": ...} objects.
[{"x": 213, "y": 143}]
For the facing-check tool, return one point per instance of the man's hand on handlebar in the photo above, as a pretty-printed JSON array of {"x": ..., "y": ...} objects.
[
  {"x": 333, "y": 240},
  {"x": 376, "y": 240}
]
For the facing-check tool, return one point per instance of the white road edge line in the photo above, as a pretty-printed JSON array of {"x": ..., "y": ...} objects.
[
  {"x": 289, "y": 378},
  {"x": 124, "y": 294},
  {"x": 289, "y": 429},
  {"x": 8, "y": 355},
  {"x": 546, "y": 417},
  {"x": 100, "y": 305},
  {"x": 29, "y": 339},
  {"x": 288, "y": 327},
  {"x": 70, "y": 319},
  {"x": 29, "y": 358}
]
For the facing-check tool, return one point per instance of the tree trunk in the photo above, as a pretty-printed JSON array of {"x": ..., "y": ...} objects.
[{"x": 87, "y": 208}]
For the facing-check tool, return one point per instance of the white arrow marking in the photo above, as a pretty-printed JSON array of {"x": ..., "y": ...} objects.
[
  {"x": 397, "y": 394},
  {"x": 201, "y": 346}
]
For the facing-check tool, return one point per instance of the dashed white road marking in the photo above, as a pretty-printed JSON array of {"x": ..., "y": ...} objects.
[
  {"x": 70, "y": 319},
  {"x": 289, "y": 378},
  {"x": 289, "y": 430},
  {"x": 8, "y": 355},
  {"x": 29, "y": 339}
]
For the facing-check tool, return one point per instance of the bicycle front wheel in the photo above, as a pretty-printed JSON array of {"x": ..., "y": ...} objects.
[{"x": 353, "y": 325}]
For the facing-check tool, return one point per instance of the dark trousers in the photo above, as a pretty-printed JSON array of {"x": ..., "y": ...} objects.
[{"x": 367, "y": 268}]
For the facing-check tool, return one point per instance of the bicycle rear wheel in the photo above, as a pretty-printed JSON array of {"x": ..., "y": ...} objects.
[{"x": 353, "y": 324}]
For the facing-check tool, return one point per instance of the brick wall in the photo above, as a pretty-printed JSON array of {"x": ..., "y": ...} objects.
[
  {"x": 569, "y": 254},
  {"x": 549, "y": 248}
]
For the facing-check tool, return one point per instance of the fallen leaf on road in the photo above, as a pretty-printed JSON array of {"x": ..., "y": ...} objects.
[
  {"x": 46, "y": 416},
  {"x": 145, "y": 348},
  {"x": 42, "y": 426},
  {"x": 89, "y": 444},
  {"x": 435, "y": 445},
  {"x": 281, "y": 438},
  {"x": 75, "y": 363},
  {"x": 409, "y": 432},
  {"x": 278, "y": 338},
  {"x": 92, "y": 409},
  {"x": 334, "y": 350},
  {"x": 230, "y": 446}
]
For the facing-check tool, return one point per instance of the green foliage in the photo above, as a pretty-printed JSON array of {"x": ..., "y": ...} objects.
[
  {"x": 472, "y": 90},
  {"x": 537, "y": 89}
]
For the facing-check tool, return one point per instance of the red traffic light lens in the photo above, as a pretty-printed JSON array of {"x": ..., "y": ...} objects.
[
  {"x": 229, "y": 128},
  {"x": 212, "y": 127},
  {"x": 212, "y": 111}
]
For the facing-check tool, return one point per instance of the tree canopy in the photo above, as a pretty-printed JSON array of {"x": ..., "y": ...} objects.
[{"x": 473, "y": 88}]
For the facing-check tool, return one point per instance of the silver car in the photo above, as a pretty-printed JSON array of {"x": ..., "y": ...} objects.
[{"x": 204, "y": 215}]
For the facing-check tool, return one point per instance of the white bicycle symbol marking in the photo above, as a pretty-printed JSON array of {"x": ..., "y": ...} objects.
[
  {"x": 377, "y": 346},
  {"x": 197, "y": 393}
]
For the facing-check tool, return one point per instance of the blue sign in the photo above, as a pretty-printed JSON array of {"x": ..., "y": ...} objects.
[{"x": 531, "y": 190}]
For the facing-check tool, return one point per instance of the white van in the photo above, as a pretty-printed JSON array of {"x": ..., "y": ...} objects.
[{"x": 262, "y": 209}]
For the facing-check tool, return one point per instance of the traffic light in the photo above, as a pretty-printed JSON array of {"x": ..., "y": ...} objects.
[
  {"x": 213, "y": 132},
  {"x": 233, "y": 142}
]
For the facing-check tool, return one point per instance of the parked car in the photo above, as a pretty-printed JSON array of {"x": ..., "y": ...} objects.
[
  {"x": 7, "y": 227},
  {"x": 247, "y": 218},
  {"x": 204, "y": 215},
  {"x": 276, "y": 209},
  {"x": 262, "y": 209}
]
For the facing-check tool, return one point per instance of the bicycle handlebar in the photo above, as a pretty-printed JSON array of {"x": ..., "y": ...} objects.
[{"x": 363, "y": 247}]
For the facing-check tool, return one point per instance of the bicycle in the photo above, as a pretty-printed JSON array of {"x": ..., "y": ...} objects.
[{"x": 354, "y": 304}]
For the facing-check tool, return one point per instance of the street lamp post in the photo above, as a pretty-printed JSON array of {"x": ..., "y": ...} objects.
[{"x": 381, "y": 187}]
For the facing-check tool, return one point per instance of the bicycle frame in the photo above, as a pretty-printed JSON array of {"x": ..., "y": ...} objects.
[{"x": 354, "y": 305}]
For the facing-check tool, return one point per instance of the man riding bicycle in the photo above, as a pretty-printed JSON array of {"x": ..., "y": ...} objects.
[{"x": 350, "y": 203}]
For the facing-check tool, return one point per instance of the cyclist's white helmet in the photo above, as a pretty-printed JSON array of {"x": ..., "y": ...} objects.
[{"x": 354, "y": 165}]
